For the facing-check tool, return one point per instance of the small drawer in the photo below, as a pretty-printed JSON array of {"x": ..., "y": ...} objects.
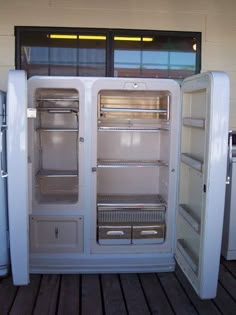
[
  {"x": 148, "y": 234},
  {"x": 56, "y": 234},
  {"x": 114, "y": 234}
]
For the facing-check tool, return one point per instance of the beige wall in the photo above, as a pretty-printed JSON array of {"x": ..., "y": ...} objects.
[{"x": 216, "y": 19}]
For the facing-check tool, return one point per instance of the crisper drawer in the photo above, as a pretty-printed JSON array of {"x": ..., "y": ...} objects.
[
  {"x": 114, "y": 234},
  {"x": 54, "y": 234},
  {"x": 148, "y": 234}
]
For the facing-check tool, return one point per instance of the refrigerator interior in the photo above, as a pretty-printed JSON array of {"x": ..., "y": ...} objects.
[
  {"x": 56, "y": 146},
  {"x": 133, "y": 154}
]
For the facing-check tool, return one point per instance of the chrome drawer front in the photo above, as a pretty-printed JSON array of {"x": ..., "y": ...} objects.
[
  {"x": 148, "y": 234},
  {"x": 114, "y": 234}
]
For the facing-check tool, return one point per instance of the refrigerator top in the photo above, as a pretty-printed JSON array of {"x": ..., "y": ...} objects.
[{"x": 2, "y": 101}]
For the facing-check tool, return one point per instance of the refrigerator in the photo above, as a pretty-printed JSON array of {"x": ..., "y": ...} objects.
[
  {"x": 117, "y": 175},
  {"x": 229, "y": 233},
  {"x": 4, "y": 256}
]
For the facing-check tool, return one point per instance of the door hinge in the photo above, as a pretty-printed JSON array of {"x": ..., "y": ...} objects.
[
  {"x": 94, "y": 169},
  {"x": 204, "y": 188}
]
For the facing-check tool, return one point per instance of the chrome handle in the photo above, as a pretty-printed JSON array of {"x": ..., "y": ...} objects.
[
  {"x": 115, "y": 233},
  {"x": 150, "y": 232},
  {"x": 4, "y": 173}
]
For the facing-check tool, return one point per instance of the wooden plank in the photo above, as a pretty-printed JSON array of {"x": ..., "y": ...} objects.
[
  {"x": 26, "y": 296},
  {"x": 134, "y": 296},
  {"x": 48, "y": 294},
  {"x": 112, "y": 295},
  {"x": 224, "y": 301},
  {"x": 176, "y": 295},
  {"x": 91, "y": 298},
  {"x": 158, "y": 302},
  {"x": 69, "y": 299},
  {"x": 204, "y": 307},
  {"x": 7, "y": 295},
  {"x": 228, "y": 281},
  {"x": 230, "y": 265}
]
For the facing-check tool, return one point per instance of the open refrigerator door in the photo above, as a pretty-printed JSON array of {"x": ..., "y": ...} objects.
[
  {"x": 203, "y": 158},
  {"x": 17, "y": 157}
]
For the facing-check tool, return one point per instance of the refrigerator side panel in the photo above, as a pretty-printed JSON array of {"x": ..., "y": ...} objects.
[
  {"x": 4, "y": 256},
  {"x": 203, "y": 159},
  {"x": 18, "y": 177}
]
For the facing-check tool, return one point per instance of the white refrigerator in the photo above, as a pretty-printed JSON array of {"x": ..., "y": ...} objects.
[
  {"x": 117, "y": 175},
  {"x": 4, "y": 256}
]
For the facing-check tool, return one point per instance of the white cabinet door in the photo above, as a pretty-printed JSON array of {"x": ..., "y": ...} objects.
[
  {"x": 18, "y": 176},
  {"x": 202, "y": 175}
]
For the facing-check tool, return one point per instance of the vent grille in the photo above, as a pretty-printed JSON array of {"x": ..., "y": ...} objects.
[{"x": 130, "y": 216}]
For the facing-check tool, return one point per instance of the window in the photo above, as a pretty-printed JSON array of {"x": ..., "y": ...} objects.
[{"x": 107, "y": 52}]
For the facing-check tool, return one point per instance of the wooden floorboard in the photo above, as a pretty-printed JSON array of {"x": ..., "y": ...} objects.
[
  {"x": 69, "y": 297},
  {"x": 8, "y": 292},
  {"x": 204, "y": 307},
  {"x": 180, "y": 302},
  {"x": 156, "y": 298},
  {"x": 114, "y": 302},
  {"x": 26, "y": 297},
  {"x": 134, "y": 296},
  {"x": 48, "y": 295},
  {"x": 117, "y": 294},
  {"x": 91, "y": 296}
]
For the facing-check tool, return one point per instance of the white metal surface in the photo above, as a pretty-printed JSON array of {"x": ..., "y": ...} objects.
[
  {"x": 17, "y": 156},
  {"x": 207, "y": 96},
  {"x": 4, "y": 256}
]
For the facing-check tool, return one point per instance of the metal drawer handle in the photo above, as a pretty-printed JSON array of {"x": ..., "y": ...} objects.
[
  {"x": 151, "y": 232},
  {"x": 115, "y": 233}
]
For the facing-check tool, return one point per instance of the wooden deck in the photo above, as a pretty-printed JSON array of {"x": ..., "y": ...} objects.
[{"x": 137, "y": 294}]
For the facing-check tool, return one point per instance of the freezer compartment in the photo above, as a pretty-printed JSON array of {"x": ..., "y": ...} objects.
[
  {"x": 56, "y": 234},
  {"x": 133, "y": 105}
]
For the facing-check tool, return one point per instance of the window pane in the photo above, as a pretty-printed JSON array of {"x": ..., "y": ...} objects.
[
  {"x": 92, "y": 56},
  {"x": 182, "y": 57},
  {"x": 155, "y": 58},
  {"x": 35, "y": 53},
  {"x": 127, "y": 57},
  {"x": 63, "y": 57}
]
